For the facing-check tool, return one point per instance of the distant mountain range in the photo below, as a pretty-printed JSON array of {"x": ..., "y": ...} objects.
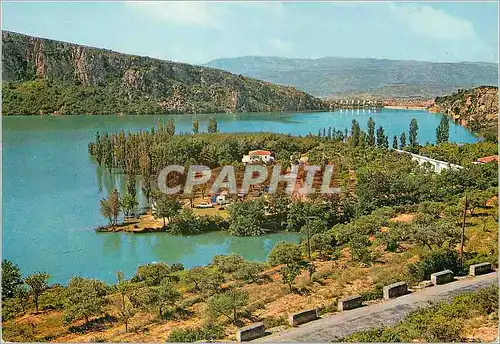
[
  {"x": 367, "y": 78},
  {"x": 43, "y": 76}
]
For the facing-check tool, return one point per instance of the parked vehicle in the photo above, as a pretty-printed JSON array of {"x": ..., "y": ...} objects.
[{"x": 204, "y": 205}]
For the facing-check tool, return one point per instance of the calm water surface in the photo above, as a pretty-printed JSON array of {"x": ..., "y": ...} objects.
[{"x": 51, "y": 190}]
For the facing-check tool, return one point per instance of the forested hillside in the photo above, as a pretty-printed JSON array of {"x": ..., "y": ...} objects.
[{"x": 43, "y": 76}]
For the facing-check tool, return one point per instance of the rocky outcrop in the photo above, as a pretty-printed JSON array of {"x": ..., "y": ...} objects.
[
  {"x": 47, "y": 76},
  {"x": 476, "y": 109}
]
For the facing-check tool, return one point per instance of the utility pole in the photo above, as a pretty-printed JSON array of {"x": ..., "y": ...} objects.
[{"x": 462, "y": 238}]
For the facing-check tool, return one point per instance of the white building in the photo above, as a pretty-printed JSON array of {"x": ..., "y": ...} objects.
[{"x": 259, "y": 155}]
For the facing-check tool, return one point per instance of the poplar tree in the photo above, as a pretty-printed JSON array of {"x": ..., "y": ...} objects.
[
  {"x": 443, "y": 130},
  {"x": 212, "y": 125},
  {"x": 395, "y": 142},
  {"x": 355, "y": 133},
  {"x": 196, "y": 126},
  {"x": 402, "y": 140},
  {"x": 380, "y": 137},
  {"x": 170, "y": 129},
  {"x": 413, "y": 132},
  {"x": 371, "y": 132}
]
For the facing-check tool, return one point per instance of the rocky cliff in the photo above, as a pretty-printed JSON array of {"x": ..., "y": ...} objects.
[
  {"x": 476, "y": 109},
  {"x": 43, "y": 76}
]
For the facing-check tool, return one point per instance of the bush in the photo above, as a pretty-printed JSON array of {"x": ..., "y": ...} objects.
[
  {"x": 187, "y": 223},
  {"x": 227, "y": 263},
  {"x": 284, "y": 253},
  {"x": 271, "y": 322},
  {"x": 207, "y": 333},
  {"x": 434, "y": 262}
]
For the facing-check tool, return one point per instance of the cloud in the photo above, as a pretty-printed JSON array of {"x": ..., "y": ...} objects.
[
  {"x": 428, "y": 21},
  {"x": 202, "y": 14}
]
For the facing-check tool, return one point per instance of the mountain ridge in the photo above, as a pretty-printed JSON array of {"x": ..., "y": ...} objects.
[
  {"x": 364, "y": 77},
  {"x": 47, "y": 76}
]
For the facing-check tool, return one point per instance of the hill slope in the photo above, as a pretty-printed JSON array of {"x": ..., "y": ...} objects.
[
  {"x": 332, "y": 76},
  {"x": 476, "y": 109},
  {"x": 46, "y": 76}
]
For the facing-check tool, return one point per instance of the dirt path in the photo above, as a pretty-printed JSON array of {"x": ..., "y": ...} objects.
[{"x": 378, "y": 315}]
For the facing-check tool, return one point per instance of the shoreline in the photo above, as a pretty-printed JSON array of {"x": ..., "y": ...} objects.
[{"x": 401, "y": 107}]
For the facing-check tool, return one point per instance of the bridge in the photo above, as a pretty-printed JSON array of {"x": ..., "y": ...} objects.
[
  {"x": 353, "y": 103},
  {"x": 438, "y": 165}
]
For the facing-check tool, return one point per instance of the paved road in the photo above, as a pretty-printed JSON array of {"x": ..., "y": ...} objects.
[{"x": 377, "y": 315}]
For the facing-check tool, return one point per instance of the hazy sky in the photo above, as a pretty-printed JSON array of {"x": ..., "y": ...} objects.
[{"x": 197, "y": 32}]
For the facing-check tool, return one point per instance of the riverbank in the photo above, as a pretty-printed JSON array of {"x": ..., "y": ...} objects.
[{"x": 408, "y": 104}]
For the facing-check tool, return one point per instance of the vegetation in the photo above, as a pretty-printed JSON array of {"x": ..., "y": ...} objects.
[
  {"x": 85, "y": 298},
  {"x": 393, "y": 220},
  {"x": 11, "y": 278},
  {"x": 115, "y": 83},
  {"x": 38, "y": 284},
  {"x": 476, "y": 109},
  {"x": 207, "y": 333},
  {"x": 227, "y": 304},
  {"x": 442, "y": 322}
]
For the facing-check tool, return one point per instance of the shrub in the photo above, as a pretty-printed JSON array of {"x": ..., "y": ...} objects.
[
  {"x": 434, "y": 262},
  {"x": 271, "y": 322},
  {"x": 187, "y": 223},
  {"x": 207, "y": 333},
  {"x": 227, "y": 263},
  {"x": 284, "y": 253}
]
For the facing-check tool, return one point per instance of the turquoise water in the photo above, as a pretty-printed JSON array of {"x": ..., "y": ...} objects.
[{"x": 51, "y": 189}]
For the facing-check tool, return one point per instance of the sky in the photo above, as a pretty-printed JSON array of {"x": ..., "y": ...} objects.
[{"x": 197, "y": 32}]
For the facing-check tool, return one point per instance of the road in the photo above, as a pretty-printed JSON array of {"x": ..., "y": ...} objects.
[{"x": 382, "y": 314}]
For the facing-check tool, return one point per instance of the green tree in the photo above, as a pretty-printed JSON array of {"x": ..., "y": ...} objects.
[
  {"x": 355, "y": 133},
  {"x": 475, "y": 199},
  {"x": 111, "y": 207},
  {"x": 170, "y": 128},
  {"x": 249, "y": 271},
  {"x": 204, "y": 279},
  {"x": 131, "y": 189},
  {"x": 370, "y": 139},
  {"x": 212, "y": 125},
  {"x": 247, "y": 218},
  {"x": 395, "y": 142},
  {"x": 166, "y": 206},
  {"x": 84, "y": 298},
  {"x": 380, "y": 137},
  {"x": 126, "y": 308},
  {"x": 227, "y": 304},
  {"x": 284, "y": 253},
  {"x": 227, "y": 263},
  {"x": 435, "y": 234},
  {"x": 289, "y": 273},
  {"x": 413, "y": 133},
  {"x": 152, "y": 274},
  {"x": 402, "y": 140},
  {"x": 443, "y": 130},
  {"x": 38, "y": 284},
  {"x": 11, "y": 278},
  {"x": 322, "y": 243},
  {"x": 129, "y": 204},
  {"x": 156, "y": 298},
  {"x": 196, "y": 126}
]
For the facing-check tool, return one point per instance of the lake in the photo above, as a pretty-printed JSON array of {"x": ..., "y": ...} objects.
[{"x": 51, "y": 189}]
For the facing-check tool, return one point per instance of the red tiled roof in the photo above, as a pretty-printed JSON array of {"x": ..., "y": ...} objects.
[
  {"x": 487, "y": 159},
  {"x": 259, "y": 152}
]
